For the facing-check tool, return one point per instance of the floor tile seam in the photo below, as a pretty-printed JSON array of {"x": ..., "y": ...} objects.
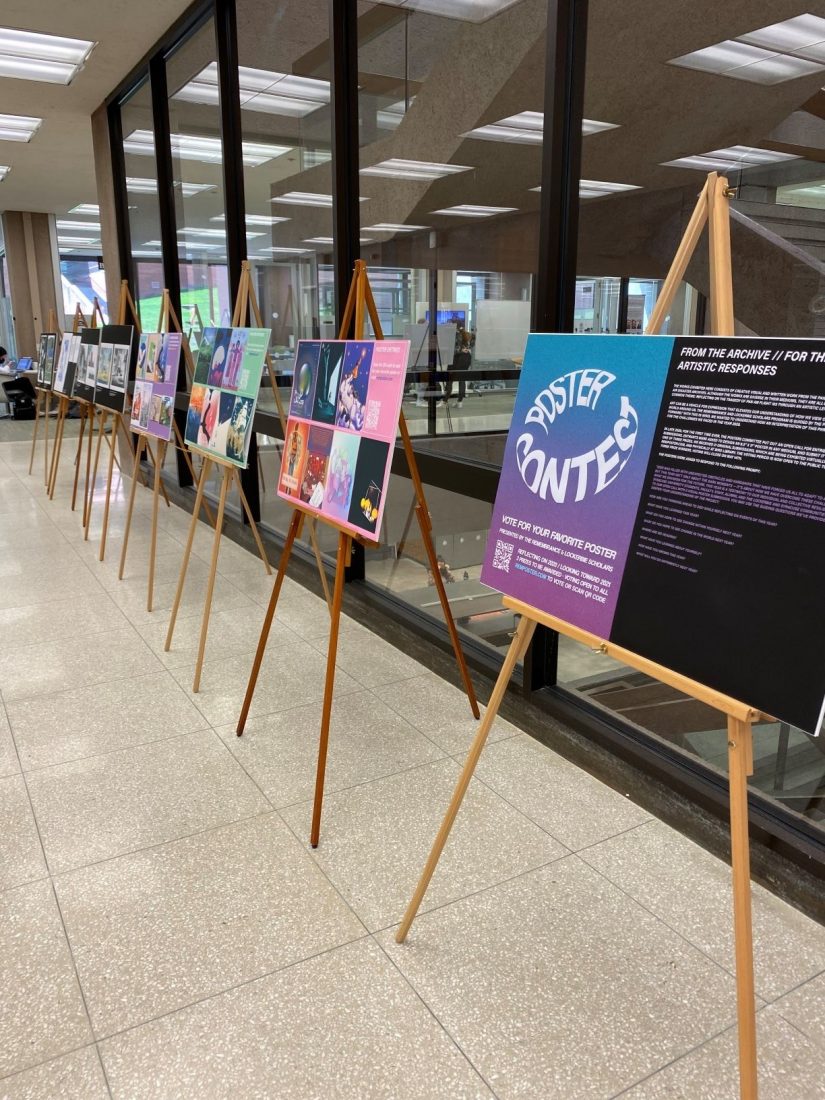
[
  {"x": 103, "y": 1070},
  {"x": 25, "y": 882},
  {"x": 244, "y": 769},
  {"x": 54, "y": 893},
  {"x": 46, "y": 1061},
  {"x": 160, "y": 844},
  {"x": 686, "y": 1054},
  {"x": 728, "y": 972},
  {"x": 805, "y": 981},
  {"x": 307, "y": 850},
  {"x": 88, "y": 632},
  {"x": 651, "y": 820},
  {"x": 103, "y": 1039},
  {"x": 365, "y": 782},
  {"x": 40, "y": 768},
  {"x": 428, "y": 1007},
  {"x": 506, "y": 881},
  {"x": 92, "y": 683},
  {"x": 268, "y": 714},
  {"x": 795, "y": 1027}
]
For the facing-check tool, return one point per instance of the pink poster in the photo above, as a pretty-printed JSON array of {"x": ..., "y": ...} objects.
[{"x": 343, "y": 419}]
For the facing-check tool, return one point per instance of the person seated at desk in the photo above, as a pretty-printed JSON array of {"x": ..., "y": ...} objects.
[{"x": 4, "y": 359}]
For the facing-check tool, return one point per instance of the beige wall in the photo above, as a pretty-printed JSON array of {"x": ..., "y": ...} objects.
[{"x": 34, "y": 275}]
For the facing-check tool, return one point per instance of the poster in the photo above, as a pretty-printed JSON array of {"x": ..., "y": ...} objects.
[
  {"x": 66, "y": 364},
  {"x": 156, "y": 379},
  {"x": 85, "y": 375},
  {"x": 668, "y": 494},
  {"x": 45, "y": 360},
  {"x": 225, "y": 392},
  {"x": 115, "y": 362},
  {"x": 343, "y": 418}
]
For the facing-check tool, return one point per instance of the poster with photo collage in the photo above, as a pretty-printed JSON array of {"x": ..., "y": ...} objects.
[
  {"x": 45, "y": 360},
  {"x": 225, "y": 392},
  {"x": 343, "y": 419},
  {"x": 114, "y": 366},
  {"x": 67, "y": 364},
  {"x": 156, "y": 379},
  {"x": 85, "y": 375}
]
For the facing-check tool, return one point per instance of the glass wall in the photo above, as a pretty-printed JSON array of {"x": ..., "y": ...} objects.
[
  {"x": 640, "y": 183},
  {"x": 450, "y": 111},
  {"x": 144, "y": 210},
  {"x": 197, "y": 165}
]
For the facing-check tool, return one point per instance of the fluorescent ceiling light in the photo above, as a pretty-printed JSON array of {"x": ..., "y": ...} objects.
[
  {"x": 329, "y": 240},
  {"x": 396, "y": 168},
  {"x": 304, "y": 198},
  {"x": 90, "y": 208},
  {"x": 4, "y": 171},
  {"x": 733, "y": 158},
  {"x": 393, "y": 227},
  {"x": 147, "y": 253},
  {"x": 196, "y": 231},
  {"x": 389, "y": 118},
  {"x": 75, "y": 241},
  {"x": 311, "y": 158},
  {"x": 28, "y": 55},
  {"x": 201, "y": 246},
  {"x": 593, "y": 189},
  {"x": 527, "y": 128},
  {"x": 18, "y": 127},
  {"x": 254, "y": 219},
  {"x": 803, "y": 36},
  {"x": 469, "y": 210},
  {"x": 62, "y": 223},
  {"x": 745, "y": 58},
  {"x": 260, "y": 90},
  {"x": 288, "y": 251},
  {"x": 206, "y": 149},
  {"x": 470, "y": 11}
]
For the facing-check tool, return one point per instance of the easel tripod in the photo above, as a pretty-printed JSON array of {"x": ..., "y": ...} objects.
[
  {"x": 359, "y": 302},
  {"x": 44, "y": 394},
  {"x": 712, "y": 209}
]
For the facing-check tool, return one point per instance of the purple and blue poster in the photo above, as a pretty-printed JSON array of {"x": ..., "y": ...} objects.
[{"x": 668, "y": 494}]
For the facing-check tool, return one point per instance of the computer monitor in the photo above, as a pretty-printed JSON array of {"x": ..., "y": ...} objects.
[
  {"x": 24, "y": 363},
  {"x": 449, "y": 316}
]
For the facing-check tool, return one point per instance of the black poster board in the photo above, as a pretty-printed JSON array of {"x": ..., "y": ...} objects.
[
  {"x": 115, "y": 366},
  {"x": 86, "y": 366},
  {"x": 45, "y": 360},
  {"x": 67, "y": 364}
]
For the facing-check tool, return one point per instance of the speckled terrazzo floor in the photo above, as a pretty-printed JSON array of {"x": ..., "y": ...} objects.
[{"x": 165, "y": 930}]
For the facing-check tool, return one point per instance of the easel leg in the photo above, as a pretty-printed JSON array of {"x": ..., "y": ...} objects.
[
  {"x": 187, "y": 553},
  {"x": 109, "y": 472},
  {"x": 36, "y": 426},
  {"x": 78, "y": 458},
  {"x": 210, "y": 584},
  {"x": 92, "y": 422},
  {"x": 344, "y": 549},
  {"x": 132, "y": 490},
  {"x": 161, "y": 453},
  {"x": 518, "y": 647},
  {"x": 182, "y": 447},
  {"x": 322, "y": 573},
  {"x": 292, "y": 534},
  {"x": 255, "y": 532},
  {"x": 58, "y": 444},
  {"x": 740, "y": 766},
  {"x": 155, "y": 459},
  {"x": 101, "y": 431},
  {"x": 48, "y": 397}
]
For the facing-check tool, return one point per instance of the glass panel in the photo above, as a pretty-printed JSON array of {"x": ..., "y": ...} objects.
[
  {"x": 197, "y": 163},
  {"x": 144, "y": 210},
  {"x": 640, "y": 183},
  {"x": 284, "y": 73},
  {"x": 450, "y": 110},
  {"x": 83, "y": 281}
]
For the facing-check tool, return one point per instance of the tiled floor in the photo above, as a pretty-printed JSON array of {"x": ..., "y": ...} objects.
[{"x": 166, "y": 931}]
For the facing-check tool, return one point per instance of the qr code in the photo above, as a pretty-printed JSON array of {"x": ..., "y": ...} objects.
[
  {"x": 503, "y": 555},
  {"x": 373, "y": 413}
]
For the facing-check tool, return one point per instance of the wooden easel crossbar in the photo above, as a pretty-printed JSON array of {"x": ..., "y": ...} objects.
[
  {"x": 359, "y": 302},
  {"x": 712, "y": 209}
]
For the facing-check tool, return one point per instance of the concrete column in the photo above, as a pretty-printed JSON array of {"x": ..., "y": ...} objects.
[
  {"x": 106, "y": 201},
  {"x": 34, "y": 274}
]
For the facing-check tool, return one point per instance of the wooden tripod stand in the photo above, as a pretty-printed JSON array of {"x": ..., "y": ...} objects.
[
  {"x": 359, "y": 301},
  {"x": 44, "y": 394},
  {"x": 78, "y": 322},
  {"x": 712, "y": 209}
]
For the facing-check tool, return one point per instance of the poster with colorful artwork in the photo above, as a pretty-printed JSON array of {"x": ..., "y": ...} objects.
[
  {"x": 668, "y": 494},
  {"x": 115, "y": 362},
  {"x": 156, "y": 379},
  {"x": 343, "y": 418},
  {"x": 225, "y": 392},
  {"x": 45, "y": 360},
  {"x": 85, "y": 376}
]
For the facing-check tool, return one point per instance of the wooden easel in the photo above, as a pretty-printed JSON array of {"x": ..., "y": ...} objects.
[
  {"x": 247, "y": 305},
  {"x": 244, "y": 299},
  {"x": 712, "y": 209},
  {"x": 359, "y": 301},
  {"x": 45, "y": 394},
  {"x": 64, "y": 401}
]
